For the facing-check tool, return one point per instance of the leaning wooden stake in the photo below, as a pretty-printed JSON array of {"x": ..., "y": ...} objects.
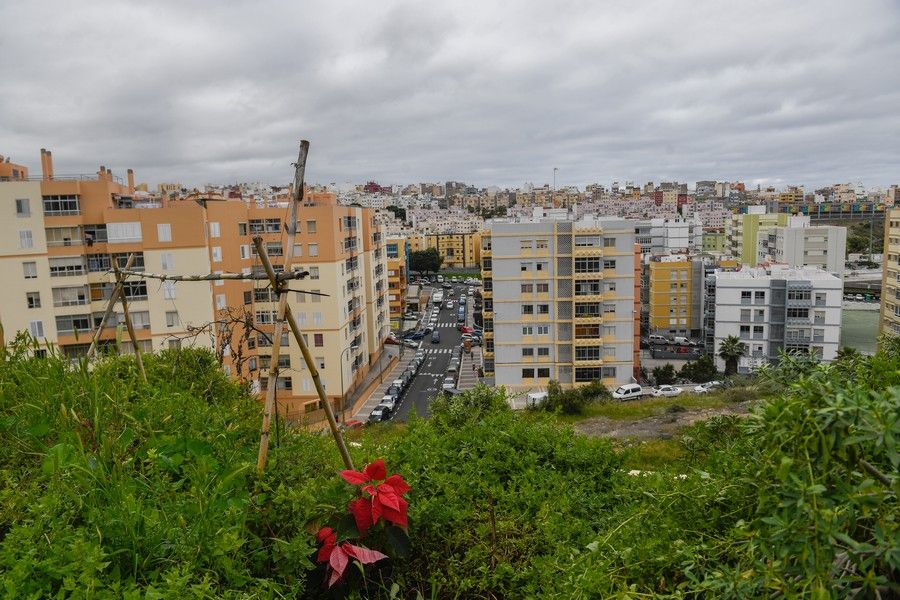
[
  {"x": 120, "y": 283},
  {"x": 109, "y": 309}
]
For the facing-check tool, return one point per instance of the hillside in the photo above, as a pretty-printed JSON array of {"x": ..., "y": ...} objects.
[{"x": 112, "y": 488}]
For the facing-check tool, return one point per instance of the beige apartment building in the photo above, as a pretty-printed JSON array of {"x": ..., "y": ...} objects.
[
  {"x": 890, "y": 275},
  {"x": 459, "y": 250},
  {"x": 64, "y": 233}
]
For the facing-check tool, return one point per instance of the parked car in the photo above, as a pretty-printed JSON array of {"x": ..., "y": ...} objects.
[
  {"x": 682, "y": 341},
  {"x": 393, "y": 390},
  {"x": 629, "y": 391},
  {"x": 411, "y": 343},
  {"x": 351, "y": 424},
  {"x": 447, "y": 286},
  {"x": 667, "y": 391},
  {"x": 449, "y": 303},
  {"x": 658, "y": 339},
  {"x": 449, "y": 383},
  {"x": 418, "y": 335},
  {"x": 379, "y": 413},
  {"x": 453, "y": 367},
  {"x": 388, "y": 401},
  {"x": 709, "y": 386},
  {"x": 466, "y": 329},
  {"x": 436, "y": 337}
]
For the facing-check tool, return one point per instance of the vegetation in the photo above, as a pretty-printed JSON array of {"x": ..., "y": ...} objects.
[
  {"x": 113, "y": 488},
  {"x": 699, "y": 371},
  {"x": 731, "y": 350},
  {"x": 859, "y": 236},
  {"x": 425, "y": 261},
  {"x": 573, "y": 401},
  {"x": 398, "y": 211},
  {"x": 664, "y": 375}
]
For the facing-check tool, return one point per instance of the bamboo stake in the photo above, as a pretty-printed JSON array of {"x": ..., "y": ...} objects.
[
  {"x": 128, "y": 325},
  {"x": 287, "y": 275},
  {"x": 299, "y": 174},
  {"x": 313, "y": 371},
  {"x": 109, "y": 309}
]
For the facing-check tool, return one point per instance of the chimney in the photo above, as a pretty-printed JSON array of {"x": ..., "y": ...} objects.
[
  {"x": 44, "y": 168},
  {"x": 109, "y": 175},
  {"x": 49, "y": 165},
  {"x": 101, "y": 174},
  {"x": 131, "y": 181}
]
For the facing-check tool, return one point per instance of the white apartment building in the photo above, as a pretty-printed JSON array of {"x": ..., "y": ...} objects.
[
  {"x": 822, "y": 246},
  {"x": 560, "y": 302},
  {"x": 676, "y": 235},
  {"x": 444, "y": 221},
  {"x": 780, "y": 308}
]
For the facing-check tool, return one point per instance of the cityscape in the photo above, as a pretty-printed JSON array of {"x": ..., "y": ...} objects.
[
  {"x": 464, "y": 300},
  {"x": 573, "y": 285}
]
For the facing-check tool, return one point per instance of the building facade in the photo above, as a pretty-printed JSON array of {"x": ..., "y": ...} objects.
[
  {"x": 676, "y": 295},
  {"x": 774, "y": 310},
  {"x": 397, "y": 251},
  {"x": 822, "y": 246},
  {"x": 561, "y": 302},
  {"x": 744, "y": 230},
  {"x": 890, "y": 275},
  {"x": 458, "y": 250}
]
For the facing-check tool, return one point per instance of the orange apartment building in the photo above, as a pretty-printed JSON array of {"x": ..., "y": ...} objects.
[{"x": 63, "y": 233}]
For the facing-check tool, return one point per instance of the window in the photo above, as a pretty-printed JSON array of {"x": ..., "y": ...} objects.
[
  {"x": 169, "y": 290},
  {"x": 543, "y": 329},
  {"x": 587, "y": 265},
  {"x": 745, "y": 297},
  {"x": 174, "y": 344},
  {"x": 70, "y": 296},
  {"x": 527, "y": 373},
  {"x": 126, "y": 232},
  {"x": 527, "y": 330},
  {"x": 221, "y": 281},
  {"x": 541, "y": 266},
  {"x": 29, "y": 269},
  {"x": 164, "y": 232},
  {"x": 61, "y": 205},
  {"x": 541, "y": 244},
  {"x": 525, "y": 245},
  {"x": 217, "y": 254},
  {"x": 25, "y": 239},
  {"x": 242, "y": 229},
  {"x": 587, "y": 309},
  {"x": 266, "y": 317},
  {"x": 759, "y": 297},
  {"x": 167, "y": 261},
  {"x": 73, "y": 323},
  {"x": 745, "y": 314},
  {"x": 745, "y": 331},
  {"x": 610, "y": 286},
  {"x": 214, "y": 231},
  {"x": 310, "y": 227},
  {"x": 317, "y": 318},
  {"x": 527, "y": 288},
  {"x": 609, "y": 242},
  {"x": 36, "y": 328},
  {"x": 33, "y": 299},
  {"x": 587, "y": 353},
  {"x": 273, "y": 225},
  {"x": 609, "y": 263},
  {"x": 318, "y": 340},
  {"x": 587, "y": 241},
  {"x": 220, "y": 301},
  {"x": 608, "y": 371},
  {"x": 587, "y": 288},
  {"x": 525, "y": 266},
  {"x": 757, "y": 331},
  {"x": 609, "y": 309},
  {"x": 543, "y": 309},
  {"x": 585, "y": 374},
  {"x": 23, "y": 207},
  {"x": 543, "y": 372},
  {"x": 313, "y": 249},
  {"x": 316, "y": 295},
  {"x": 66, "y": 266},
  {"x": 799, "y": 295},
  {"x": 314, "y": 272},
  {"x": 171, "y": 318},
  {"x": 527, "y": 309},
  {"x": 543, "y": 351},
  {"x": 798, "y": 313},
  {"x": 542, "y": 288},
  {"x": 528, "y": 352},
  {"x": 245, "y": 251}
]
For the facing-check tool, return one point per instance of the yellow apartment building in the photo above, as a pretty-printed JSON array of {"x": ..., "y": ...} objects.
[
  {"x": 459, "y": 250},
  {"x": 64, "y": 233},
  {"x": 676, "y": 295},
  {"x": 397, "y": 250}
]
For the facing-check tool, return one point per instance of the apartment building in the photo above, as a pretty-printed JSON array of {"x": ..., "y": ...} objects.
[
  {"x": 744, "y": 229},
  {"x": 459, "y": 250},
  {"x": 675, "y": 295},
  {"x": 64, "y": 233},
  {"x": 397, "y": 250},
  {"x": 561, "y": 302},
  {"x": 822, "y": 246},
  {"x": 341, "y": 307},
  {"x": 890, "y": 277},
  {"x": 62, "y": 236},
  {"x": 10, "y": 171},
  {"x": 775, "y": 309}
]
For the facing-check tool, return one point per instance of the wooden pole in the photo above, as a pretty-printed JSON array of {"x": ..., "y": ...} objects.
[
  {"x": 299, "y": 175},
  {"x": 120, "y": 281},
  {"x": 215, "y": 276},
  {"x": 310, "y": 364},
  {"x": 109, "y": 308}
]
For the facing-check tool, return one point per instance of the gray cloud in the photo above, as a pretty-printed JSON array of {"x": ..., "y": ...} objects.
[{"x": 491, "y": 93}]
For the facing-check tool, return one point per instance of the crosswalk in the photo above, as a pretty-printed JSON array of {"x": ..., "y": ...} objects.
[{"x": 437, "y": 350}]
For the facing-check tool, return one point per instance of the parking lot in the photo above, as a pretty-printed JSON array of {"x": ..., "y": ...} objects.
[{"x": 434, "y": 369}]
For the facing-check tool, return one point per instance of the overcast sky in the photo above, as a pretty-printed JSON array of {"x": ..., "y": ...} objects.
[{"x": 483, "y": 92}]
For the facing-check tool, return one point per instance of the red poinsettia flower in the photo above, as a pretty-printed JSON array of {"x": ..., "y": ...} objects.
[
  {"x": 338, "y": 557},
  {"x": 385, "y": 498}
]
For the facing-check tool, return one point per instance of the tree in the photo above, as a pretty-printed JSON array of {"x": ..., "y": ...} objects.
[
  {"x": 425, "y": 261},
  {"x": 730, "y": 351},
  {"x": 664, "y": 375},
  {"x": 699, "y": 371},
  {"x": 399, "y": 212}
]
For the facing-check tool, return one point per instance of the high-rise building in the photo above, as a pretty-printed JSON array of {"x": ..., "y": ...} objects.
[
  {"x": 397, "y": 250},
  {"x": 744, "y": 229},
  {"x": 561, "y": 302},
  {"x": 676, "y": 295},
  {"x": 890, "y": 274},
  {"x": 458, "y": 250},
  {"x": 823, "y": 246},
  {"x": 775, "y": 309},
  {"x": 64, "y": 233}
]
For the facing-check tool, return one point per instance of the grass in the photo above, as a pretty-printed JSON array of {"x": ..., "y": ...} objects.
[{"x": 647, "y": 455}]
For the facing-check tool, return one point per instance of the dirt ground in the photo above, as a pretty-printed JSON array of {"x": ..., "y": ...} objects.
[{"x": 662, "y": 426}]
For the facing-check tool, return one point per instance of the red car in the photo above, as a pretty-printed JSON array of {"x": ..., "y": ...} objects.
[
  {"x": 352, "y": 424},
  {"x": 466, "y": 329}
]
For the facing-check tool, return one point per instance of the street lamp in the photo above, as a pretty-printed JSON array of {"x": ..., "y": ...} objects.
[{"x": 343, "y": 400}]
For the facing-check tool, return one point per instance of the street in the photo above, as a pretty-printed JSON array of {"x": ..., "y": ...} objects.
[{"x": 427, "y": 382}]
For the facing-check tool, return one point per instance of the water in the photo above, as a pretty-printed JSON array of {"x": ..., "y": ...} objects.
[{"x": 859, "y": 329}]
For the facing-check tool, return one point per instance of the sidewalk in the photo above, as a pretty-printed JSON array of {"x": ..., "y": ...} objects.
[
  {"x": 378, "y": 393},
  {"x": 468, "y": 375}
]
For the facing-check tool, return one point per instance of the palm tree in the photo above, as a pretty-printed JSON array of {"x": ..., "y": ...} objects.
[{"x": 730, "y": 351}]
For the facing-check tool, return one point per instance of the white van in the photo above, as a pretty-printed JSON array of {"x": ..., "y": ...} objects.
[
  {"x": 629, "y": 391},
  {"x": 682, "y": 341},
  {"x": 655, "y": 338},
  {"x": 440, "y": 279}
]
